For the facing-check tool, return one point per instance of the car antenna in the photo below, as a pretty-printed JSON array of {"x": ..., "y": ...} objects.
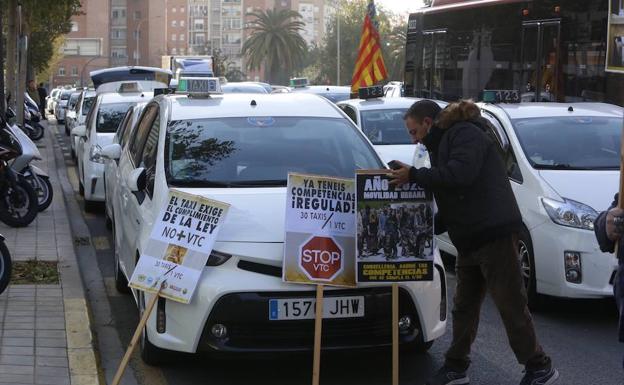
[
  {"x": 570, "y": 109},
  {"x": 253, "y": 103}
]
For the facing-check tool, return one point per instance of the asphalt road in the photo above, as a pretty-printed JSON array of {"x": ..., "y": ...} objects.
[{"x": 580, "y": 335}]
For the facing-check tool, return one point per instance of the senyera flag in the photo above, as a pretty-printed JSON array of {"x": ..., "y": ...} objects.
[{"x": 369, "y": 66}]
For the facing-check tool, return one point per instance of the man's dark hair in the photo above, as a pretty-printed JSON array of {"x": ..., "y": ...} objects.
[
  {"x": 41, "y": 85},
  {"x": 423, "y": 109}
]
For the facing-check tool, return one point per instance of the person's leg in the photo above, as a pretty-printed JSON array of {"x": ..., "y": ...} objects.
[
  {"x": 501, "y": 269},
  {"x": 469, "y": 295}
]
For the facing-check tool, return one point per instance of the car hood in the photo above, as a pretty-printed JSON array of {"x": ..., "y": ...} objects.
[
  {"x": 593, "y": 188},
  {"x": 255, "y": 215},
  {"x": 400, "y": 152}
]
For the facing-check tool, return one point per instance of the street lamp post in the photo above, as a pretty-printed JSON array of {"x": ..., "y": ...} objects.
[{"x": 85, "y": 66}]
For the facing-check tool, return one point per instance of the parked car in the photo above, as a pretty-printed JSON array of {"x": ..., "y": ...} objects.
[
  {"x": 243, "y": 88},
  {"x": 70, "y": 115},
  {"x": 227, "y": 148},
  {"x": 83, "y": 106},
  {"x": 51, "y": 100},
  {"x": 563, "y": 162},
  {"x": 60, "y": 107}
]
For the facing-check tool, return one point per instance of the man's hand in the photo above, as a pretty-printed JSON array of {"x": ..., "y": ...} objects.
[
  {"x": 400, "y": 175},
  {"x": 615, "y": 224}
]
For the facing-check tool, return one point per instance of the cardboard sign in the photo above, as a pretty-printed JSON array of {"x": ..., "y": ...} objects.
[
  {"x": 180, "y": 244},
  {"x": 320, "y": 227},
  {"x": 394, "y": 230}
]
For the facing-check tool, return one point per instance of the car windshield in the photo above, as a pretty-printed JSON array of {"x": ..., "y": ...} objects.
[
  {"x": 86, "y": 104},
  {"x": 571, "y": 143},
  {"x": 72, "y": 101},
  {"x": 385, "y": 126},
  {"x": 110, "y": 115},
  {"x": 66, "y": 94},
  {"x": 248, "y": 152}
]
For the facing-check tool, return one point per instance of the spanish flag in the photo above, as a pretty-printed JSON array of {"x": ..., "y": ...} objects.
[{"x": 369, "y": 66}]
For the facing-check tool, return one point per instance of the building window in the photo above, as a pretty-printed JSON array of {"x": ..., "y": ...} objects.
[
  {"x": 61, "y": 71},
  {"x": 181, "y": 9},
  {"x": 173, "y": 10},
  {"x": 174, "y": 37},
  {"x": 123, "y": 13},
  {"x": 199, "y": 24},
  {"x": 182, "y": 51},
  {"x": 174, "y": 51},
  {"x": 137, "y": 15},
  {"x": 115, "y": 14},
  {"x": 174, "y": 23},
  {"x": 181, "y": 23},
  {"x": 182, "y": 37},
  {"x": 74, "y": 26},
  {"x": 74, "y": 71}
]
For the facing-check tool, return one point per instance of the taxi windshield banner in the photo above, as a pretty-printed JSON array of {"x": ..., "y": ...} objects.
[
  {"x": 180, "y": 244},
  {"x": 320, "y": 227},
  {"x": 394, "y": 230}
]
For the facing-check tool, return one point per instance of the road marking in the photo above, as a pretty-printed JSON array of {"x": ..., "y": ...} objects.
[{"x": 100, "y": 243}]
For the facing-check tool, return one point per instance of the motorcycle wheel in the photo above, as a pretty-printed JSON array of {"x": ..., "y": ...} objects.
[
  {"x": 37, "y": 132},
  {"x": 18, "y": 205},
  {"x": 5, "y": 267},
  {"x": 44, "y": 191}
]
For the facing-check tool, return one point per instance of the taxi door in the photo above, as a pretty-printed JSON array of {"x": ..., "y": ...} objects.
[{"x": 136, "y": 207}]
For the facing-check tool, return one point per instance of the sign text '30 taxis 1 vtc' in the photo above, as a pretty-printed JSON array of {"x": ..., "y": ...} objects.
[{"x": 239, "y": 149}]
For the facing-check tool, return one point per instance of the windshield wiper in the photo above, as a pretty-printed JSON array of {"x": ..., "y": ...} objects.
[
  {"x": 254, "y": 183},
  {"x": 559, "y": 166},
  {"x": 197, "y": 183}
]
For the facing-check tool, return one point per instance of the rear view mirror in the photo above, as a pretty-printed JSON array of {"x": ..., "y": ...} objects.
[
  {"x": 111, "y": 151},
  {"x": 136, "y": 180},
  {"x": 79, "y": 131}
]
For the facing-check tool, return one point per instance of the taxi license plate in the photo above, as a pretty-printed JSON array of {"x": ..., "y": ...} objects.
[{"x": 304, "y": 308}]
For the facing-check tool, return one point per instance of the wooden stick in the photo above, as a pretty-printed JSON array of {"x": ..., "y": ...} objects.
[
  {"x": 318, "y": 323},
  {"x": 135, "y": 338},
  {"x": 395, "y": 334}
]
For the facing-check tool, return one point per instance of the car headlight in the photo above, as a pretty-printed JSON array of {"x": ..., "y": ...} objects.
[
  {"x": 570, "y": 213},
  {"x": 95, "y": 154}
]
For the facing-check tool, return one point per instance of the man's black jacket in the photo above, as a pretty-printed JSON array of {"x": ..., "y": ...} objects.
[
  {"x": 468, "y": 178},
  {"x": 600, "y": 228}
]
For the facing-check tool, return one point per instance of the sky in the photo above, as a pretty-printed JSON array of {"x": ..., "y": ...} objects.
[{"x": 400, "y": 6}]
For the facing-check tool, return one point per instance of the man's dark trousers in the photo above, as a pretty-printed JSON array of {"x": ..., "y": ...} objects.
[{"x": 493, "y": 268}]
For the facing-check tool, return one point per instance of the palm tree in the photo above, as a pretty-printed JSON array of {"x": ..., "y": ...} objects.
[
  {"x": 275, "y": 41},
  {"x": 397, "y": 39}
]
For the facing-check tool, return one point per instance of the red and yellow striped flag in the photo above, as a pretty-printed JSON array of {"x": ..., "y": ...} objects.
[{"x": 369, "y": 66}]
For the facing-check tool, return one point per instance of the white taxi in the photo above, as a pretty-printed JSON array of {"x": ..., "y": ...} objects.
[
  {"x": 239, "y": 148},
  {"x": 108, "y": 111},
  {"x": 111, "y": 154},
  {"x": 563, "y": 163},
  {"x": 83, "y": 106},
  {"x": 381, "y": 120}
]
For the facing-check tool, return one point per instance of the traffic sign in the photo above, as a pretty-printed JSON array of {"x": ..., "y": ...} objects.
[{"x": 321, "y": 258}]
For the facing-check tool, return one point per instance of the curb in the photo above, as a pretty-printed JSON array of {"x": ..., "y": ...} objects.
[{"x": 81, "y": 354}]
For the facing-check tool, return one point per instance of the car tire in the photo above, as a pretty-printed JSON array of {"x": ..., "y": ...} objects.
[
  {"x": 526, "y": 258},
  {"x": 80, "y": 187},
  {"x": 419, "y": 346},
  {"x": 150, "y": 354},
  {"x": 90, "y": 206},
  {"x": 108, "y": 220},
  {"x": 121, "y": 282}
]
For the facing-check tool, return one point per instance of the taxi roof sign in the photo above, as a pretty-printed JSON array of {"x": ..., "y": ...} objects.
[
  {"x": 199, "y": 86},
  {"x": 299, "y": 82},
  {"x": 370, "y": 92},
  {"x": 500, "y": 96}
]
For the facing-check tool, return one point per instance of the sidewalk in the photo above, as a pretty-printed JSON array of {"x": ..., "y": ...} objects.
[{"x": 45, "y": 335}]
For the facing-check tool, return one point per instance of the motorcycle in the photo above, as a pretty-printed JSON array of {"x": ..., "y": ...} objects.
[
  {"x": 18, "y": 199},
  {"x": 5, "y": 265},
  {"x": 37, "y": 178},
  {"x": 32, "y": 117}
]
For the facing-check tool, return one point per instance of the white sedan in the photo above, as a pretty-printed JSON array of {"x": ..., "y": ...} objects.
[
  {"x": 563, "y": 164},
  {"x": 108, "y": 111},
  {"x": 239, "y": 149}
]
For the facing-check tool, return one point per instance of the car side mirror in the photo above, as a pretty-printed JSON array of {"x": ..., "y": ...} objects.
[
  {"x": 79, "y": 131},
  {"x": 111, "y": 151},
  {"x": 137, "y": 180}
]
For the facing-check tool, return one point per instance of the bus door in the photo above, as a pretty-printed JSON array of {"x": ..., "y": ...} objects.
[
  {"x": 431, "y": 82},
  {"x": 540, "y": 77}
]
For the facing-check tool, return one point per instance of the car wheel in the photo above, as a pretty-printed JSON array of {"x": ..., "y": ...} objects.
[
  {"x": 151, "y": 354},
  {"x": 121, "y": 282},
  {"x": 419, "y": 346},
  {"x": 108, "y": 219},
  {"x": 90, "y": 206},
  {"x": 80, "y": 187},
  {"x": 527, "y": 268}
]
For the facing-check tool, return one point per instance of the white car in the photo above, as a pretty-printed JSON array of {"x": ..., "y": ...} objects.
[
  {"x": 60, "y": 107},
  {"x": 70, "y": 115},
  {"x": 108, "y": 111},
  {"x": 83, "y": 106},
  {"x": 393, "y": 90},
  {"x": 563, "y": 165},
  {"x": 51, "y": 99},
  {"x": 238, "y": 148},
  {"x": 332, "y": 93},
  {"x": 381, "y": 120},
  {"x": 125, "y": 130}
]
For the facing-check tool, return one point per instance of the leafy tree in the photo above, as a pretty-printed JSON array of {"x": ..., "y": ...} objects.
[
  {"x": 276, "y": 43},
  {"x": 351, "y": 15},
  {"x": 395, "y": 61}
]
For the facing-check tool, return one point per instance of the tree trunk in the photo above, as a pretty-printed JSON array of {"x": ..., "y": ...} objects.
[{"x": 11, "y": 51}]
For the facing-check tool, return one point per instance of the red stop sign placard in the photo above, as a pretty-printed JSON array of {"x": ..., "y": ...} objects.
[{"x": 321, "y": 258}]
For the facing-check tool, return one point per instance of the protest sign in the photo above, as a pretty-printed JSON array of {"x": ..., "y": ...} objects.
[
  {"x": 394, "y": 230},
  {"x": 320, "y": 227},
  {"x": 180, "y": 244}
]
